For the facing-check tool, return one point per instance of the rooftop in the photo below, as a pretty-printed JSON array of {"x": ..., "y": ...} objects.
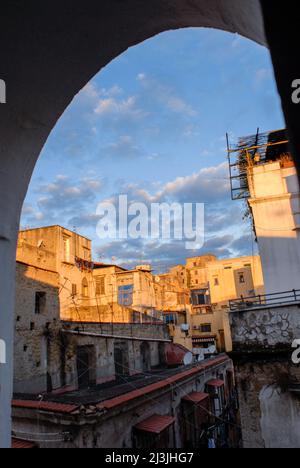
[{"x": 114, "y": 394}]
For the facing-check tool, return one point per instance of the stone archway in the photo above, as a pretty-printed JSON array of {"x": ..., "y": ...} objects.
[{"x": 49, "y": 51}]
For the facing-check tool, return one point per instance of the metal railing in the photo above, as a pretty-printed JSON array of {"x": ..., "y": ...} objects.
[{"x": 265, "y": 300}]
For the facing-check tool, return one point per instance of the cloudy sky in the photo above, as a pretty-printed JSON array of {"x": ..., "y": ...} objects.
[{"x": 152, "y": 125}]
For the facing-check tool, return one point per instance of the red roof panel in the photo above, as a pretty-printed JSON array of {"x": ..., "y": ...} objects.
[
  {"x": 156, "y": 424},
  {"x": 216, "y": 383},
  {"x": 196, "y": 397},
  {"x": 22, "y": 444},
  {"x": 45, "y": 406}
]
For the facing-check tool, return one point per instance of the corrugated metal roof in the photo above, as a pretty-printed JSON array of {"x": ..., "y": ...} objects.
[
  {"x": 196, "y": 397},
  {"x": 216, "y": 383},
  {"x": 22, "y": 444},
  {"x": 45, "y": 406},
  {"x": 155, "y": 424}
]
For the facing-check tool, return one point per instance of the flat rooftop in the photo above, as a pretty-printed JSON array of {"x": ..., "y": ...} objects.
[{"x": 119, "y": 391}]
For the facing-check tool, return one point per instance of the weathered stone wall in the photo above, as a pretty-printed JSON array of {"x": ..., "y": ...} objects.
[
  {"x": 269, "y": 406},
  {"x": 37, "y": 343},
  {"x": 105, "y": 369},
  {"x": 265, "y": 328}
]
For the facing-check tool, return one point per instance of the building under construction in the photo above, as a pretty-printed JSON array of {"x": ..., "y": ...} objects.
[{"x": 252, "y": 150}]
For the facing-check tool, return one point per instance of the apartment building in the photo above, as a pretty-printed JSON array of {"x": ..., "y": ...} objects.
[
  {"x": 67, "y": 253},
  {"x": 212, "y": 284}
]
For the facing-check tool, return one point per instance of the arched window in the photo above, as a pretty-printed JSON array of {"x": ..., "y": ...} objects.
[{"x": 85, "y": 288}]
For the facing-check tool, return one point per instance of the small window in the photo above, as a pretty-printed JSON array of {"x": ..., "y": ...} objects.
[
  {"x": 100, "y": 286},
  {"x": 67, "y": 248},
  {"x": 242, "y": 278},
  {"x": 216, "y": 282},
  {"x": 40, "y": 302},
  {"x": 205, "y": 328},
  {"x": 86, "y": 254},
  {"x": 32, "y": 326},
  {"x": 74, "y": 290},
  {"x": 85, "y": 288}
]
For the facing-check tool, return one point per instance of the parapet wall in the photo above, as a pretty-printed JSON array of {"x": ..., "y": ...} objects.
[{"x": 265, "y": 329}]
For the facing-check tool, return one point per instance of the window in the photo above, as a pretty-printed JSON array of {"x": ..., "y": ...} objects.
[
  {"x": 196, "y": 419},
  {"x": 242, "y": 278},
  {"x": 216, "y": 281},
  {"x": 100, "y": 286},
  {"x": 40, "y": 302},
  {"x": 86, "y": 363},
  {"x": 67, "y": 249},
  {"x": 171, "y": 319},
  {"x": 74, "y": 290},
  {"x": 154, "y": 433},
  {"x": 205, "y": 328},
  {"x": 125, "y": 295},
  {"x": 85, "y": 288},
  {"x": 32, "y": 326},
  {"x": 86, "y": 254}
]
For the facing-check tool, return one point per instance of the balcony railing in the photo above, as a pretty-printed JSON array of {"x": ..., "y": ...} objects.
[{"x": 265, "y": 300}]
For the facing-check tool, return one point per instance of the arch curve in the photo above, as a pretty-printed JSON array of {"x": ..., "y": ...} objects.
[{"x": 49, "y": 50}]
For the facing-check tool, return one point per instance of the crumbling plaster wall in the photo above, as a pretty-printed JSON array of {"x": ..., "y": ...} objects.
[{"x": 269, "y": 410}]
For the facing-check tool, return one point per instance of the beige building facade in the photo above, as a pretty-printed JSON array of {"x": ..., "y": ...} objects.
[
  {"x": 212, "y": 283},
  {"x": 65, "y": 252}
]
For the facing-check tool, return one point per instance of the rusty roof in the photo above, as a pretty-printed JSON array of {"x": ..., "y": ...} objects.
[{"x": 156, "y": 424}]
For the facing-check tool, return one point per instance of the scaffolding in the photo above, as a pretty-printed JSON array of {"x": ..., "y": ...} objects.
[{"x": 250, "y": 151}]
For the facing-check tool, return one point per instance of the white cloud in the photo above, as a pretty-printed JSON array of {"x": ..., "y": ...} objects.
[
  {"x": 209, "y": 185},
  {"x": 165, "y": 95}
]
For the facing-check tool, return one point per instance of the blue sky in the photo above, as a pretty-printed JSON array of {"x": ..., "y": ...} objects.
[{"x": 152, "y": 124}]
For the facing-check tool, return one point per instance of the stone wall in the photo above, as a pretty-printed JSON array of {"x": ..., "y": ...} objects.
[
  {"x": 265, "y": 328},
  {"x": 104, "y": 349},
  {"x": 37, "y": 346}
]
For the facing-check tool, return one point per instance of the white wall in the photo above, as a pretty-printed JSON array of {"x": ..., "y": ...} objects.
[{"x": 275, "y": 202}]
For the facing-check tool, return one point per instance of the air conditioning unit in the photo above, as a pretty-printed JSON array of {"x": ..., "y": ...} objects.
[{"x": 185, "y": 327}]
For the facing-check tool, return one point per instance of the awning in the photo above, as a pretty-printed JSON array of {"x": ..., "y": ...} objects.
[
  {"x": 204, "y": 339},
  {"x": 216, "y": 383},
  {"x": 155, "y": 424},
  {"x": 196, "y": 397},
  {"x": 176, "y": 355},
  {"x": 22, "y": 444}
]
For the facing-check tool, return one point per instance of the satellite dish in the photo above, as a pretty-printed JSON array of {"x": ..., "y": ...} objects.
[
  {"x": 188, "y": 359},
  {"x": 157, "y": 279},
  {"x": 212, "y": 350}
]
